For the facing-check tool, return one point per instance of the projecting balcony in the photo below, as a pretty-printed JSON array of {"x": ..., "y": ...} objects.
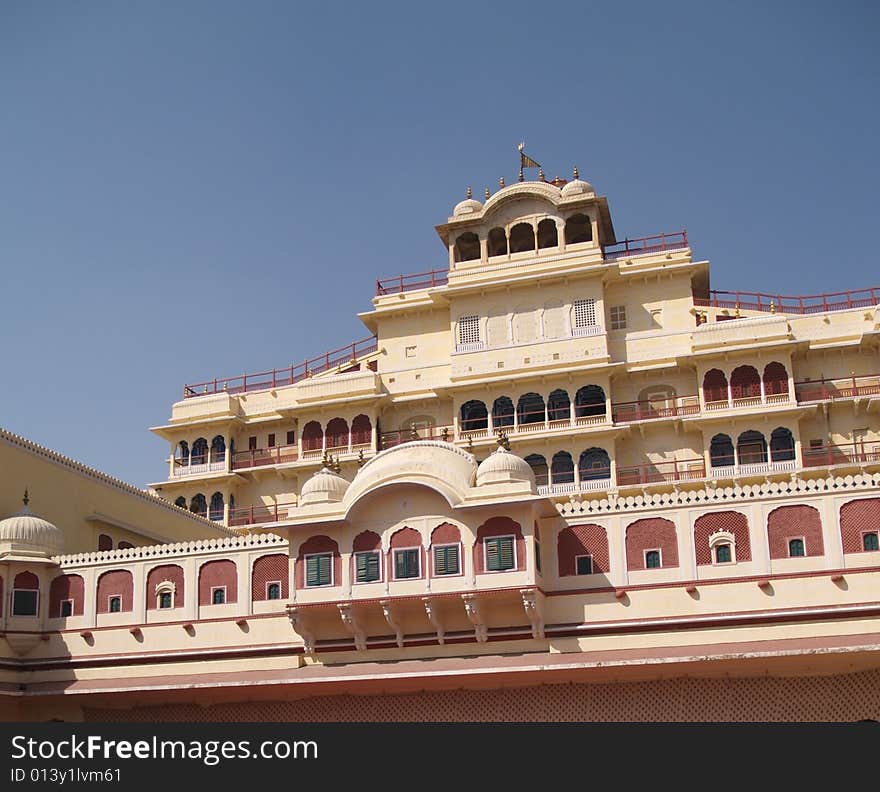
[
  {"x": 197, "y": 467},
  {"x": 673, "y": 407},
  {"x": 749, "y": 402},
  {"x": 842, "y": 455},
  {"x": 588, "y": 481},
  {"x": 263, "y": 457},
  {"x": 779, "y": 303},
  {"x": 671, "y": 472},
  {"x": 751, "y": 468},
  {"x": 846, "y": 388},
  {"x": 259, "y": 514}
]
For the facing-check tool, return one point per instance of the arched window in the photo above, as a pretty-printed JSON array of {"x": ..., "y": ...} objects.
[
  {"x": 781, "y": 445},
  {"x": 312, "y": 436},
  {"x": 794, "y": 528},
  {"x": 522, "y": 238},
  {"x": 467, "y": 247},
  {"x": 25, "y": 594},
  {"x": 562, "y": 468},
  {"x": 559, "y": 406},
  {"x": 474, "y": 416},
  {"x": 218, "y": 596},
  {"x": 588, "y": 401},
  {"x": 337, "y": 433},
  {"x": 105, "y": 542},
  {"x": 795, "y": 548},
  {"x": 214, "y": 576},
  {"x": 181, "y": 452},
  {"x": 578, "y": 229},
  {"x": 198, "y": 505},
  {"x": 216, "y": 512},
  {"x": 594, "y": 464},
  {"x": 502, "y": 412},
  {"x": 269, "y": 571},
  {"x": 721, "y": 451},
  {"x": 199, "y": 452},
  {"x": 180, "y": 501},
  {"x": 530, "y": 409},
  {"x": 714, "y": 386},
  {"x": 497, "y": 242},
  {"x": 165, "y": 587},
  {"x": 539, "y": 467},
  {"x": 548, "y": 236},
  {"x": 745, "y": 383},
  {"x": 775, "y": 379},
  {"x": 218, "y": 449},
  {"x": 751, "y": 448},
  {"x": 361, "y": 430}
]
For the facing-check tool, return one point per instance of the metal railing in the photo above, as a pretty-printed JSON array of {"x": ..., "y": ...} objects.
[
  {"x": 626, "y": 412},
  {"x": 780, "y": 303},
  {"x": 258, "y": 457},
  {"x": 674, "y": 240},
  {"x": 404, "y": 283},
  {"x": 296, "y": 372},
  {"x": 661, "y": 472},
  {"x": 256, "y": 515},
  {"x": 842, "y": 388},
  {"x": 842, "y": 454}
]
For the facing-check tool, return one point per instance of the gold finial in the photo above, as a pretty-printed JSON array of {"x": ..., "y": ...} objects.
[
  {"x": 521, "y": 146},
  {"x": 444, "y": 435},
  {"x": 487, "y": 193},
  {"x": 502, "y": 440},
  {"x": 469, "y": 193},
  {"x": 772, "y": 307},
  {"x": 336, "y": 466},
  {"x": 325, "y": 462},
  {"x": 413, "y": 434},
  {"x": 540, "y": 174},
  {"x": 361, "y": 460},
  {"x": 26, "y": 499},
  {"x": 576, "y": 174},
  {"x": 501, "y": 182}
]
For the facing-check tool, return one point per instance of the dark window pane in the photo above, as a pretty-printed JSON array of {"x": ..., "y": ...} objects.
[
  {"x": 584, "y": 565},
  {"x": 24, "y": 603}
]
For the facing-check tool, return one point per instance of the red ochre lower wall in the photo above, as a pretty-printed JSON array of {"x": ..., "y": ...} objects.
[{"x": 848, "y": 697}]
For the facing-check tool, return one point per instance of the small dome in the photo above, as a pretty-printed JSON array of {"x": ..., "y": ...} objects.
[
  {"x": 27, "y": 533},
  {"x": 576, "y": 187},
  {"x": 502, "y": 467},
  {"x": 324, "y": 487},
  {"x": 468, "y": 206}
]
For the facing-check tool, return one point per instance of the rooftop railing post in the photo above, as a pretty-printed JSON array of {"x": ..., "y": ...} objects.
[{"x": 244, "y": 383}]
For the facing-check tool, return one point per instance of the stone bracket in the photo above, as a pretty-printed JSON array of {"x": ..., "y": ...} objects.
[
  {"x": 297, "y": 621},
  {"x": 533, "y": 602},
  {"x": 433, "y": 614},
  {"x": 474, "y": 611},
  {"x": 388, "y": 611},
  {"x": 349, "y": 619}
]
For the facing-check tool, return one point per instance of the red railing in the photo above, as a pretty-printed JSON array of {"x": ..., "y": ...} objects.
[
  {"x": 674, "y": 240},
  {"x": 254, "y": 515},
  {"x": 842, "y": 454},
  {"x": 295, "y": 372},
  {"x": 842, "y": 388},
  {"x": 658, "y": 472},
  {"x": 396, "y": 438},
  {"x": 405, "y": 283},
  {"x": 257, "y": 457},
  {"x": 624, "y": 412},
  {"x": 803, "y": 304}
]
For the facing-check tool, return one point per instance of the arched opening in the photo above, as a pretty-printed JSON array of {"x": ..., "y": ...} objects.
[
  {"x": 474, "y": 416},
  {"x": 337, "y": 433},
  {"x": 751, "y": 448},
  {"x": 588, "y": 401},
  {"x": 502, "y": 412},
  {"x": 199, "y": 452},
  {"x": 180, "y": 501},
  {"x": 775, "y": 379},
  {"x": 522, "y": 238},
  {"x": 559, "y": 406},
  {"x": 181, "y": 453},
  {"x": 361, "y": 430},
  {"x": 467, "y": 247},
  {"x": 594, "y": 464},
  {"x": 218, "y": 449},
  {"x": 105, "y": 542},
  {"x": 562, "y": 468},
  {"x": 781, "y": 445},
  {"x": 548, "y": 235},
  {"x": 497, "y": 242},
  {"x": 745, "y": 383},
  {"x": 578, "y": 229},
  {"x": 216, "y": 511},
  {"x": 714, "y": 386},
  {"x": 312, "y": 436},
  {"x": 218, "y": 583},
  {"x": 721, "y": 451},
  {"x": 199, "y": 505},
  {"x": 539, "y": 467},
  {"x": 800, "y": 524},
  {"x": 530, "y": 409}
]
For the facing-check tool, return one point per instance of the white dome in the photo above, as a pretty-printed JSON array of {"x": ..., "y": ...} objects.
[
  {"x": 576, "y": 187},
  {"x": 467, "y": 207},
  {"x": 27, "y": 533},
  {"x": 324, "y": 487},
  {"x": 502, "y": 467}
]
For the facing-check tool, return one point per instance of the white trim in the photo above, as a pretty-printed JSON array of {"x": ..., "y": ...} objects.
[
  {"x": 790, "y": 539},
  {"x": 716, "y": 547},
  {"x": 460, "y": 572},
  {"x": 61, "y": 608},
  {"x": 583, "y": 574},
  {"x": 874, "y": 532},
  {"x": 273, "y": 583},
  {"x": 218, "y": 588},
  {"x": 165, "y": 587},
  {"x": 659, "y": 553},
  {"x": 12, "y": 603},
  {"x": 354, "y": 556},
  {"x": 111, "y": 597},
  {"x": 395, "y": 551},
  {"x": 486, "y": 570},
  {"x": 306, "y": 569}
]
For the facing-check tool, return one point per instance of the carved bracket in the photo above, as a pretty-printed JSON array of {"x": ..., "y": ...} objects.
[
  {"x": 533, "y": 603},
  {"x": 388, "y": 610},
  {"x": 346, "y": 611},
  {"x": 475, "y": 616},
  {"x": 433, "y": 613},
  {"x": 297, "y": 621}
]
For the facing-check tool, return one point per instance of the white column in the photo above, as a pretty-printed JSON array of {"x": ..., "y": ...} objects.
[
  {"x": 243, "y": 606},
  {"x": 191, "y": 589},
  {"x": 484, "y": 250},
  {"x": 90, "y": 595},
  {"x": 227, "y": 454},
  {"x": 139, "y": 594},
  {"x": 763, "y": 391}
]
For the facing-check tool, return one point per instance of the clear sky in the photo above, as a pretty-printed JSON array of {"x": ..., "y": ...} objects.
[{"x": 199, "y": 189}]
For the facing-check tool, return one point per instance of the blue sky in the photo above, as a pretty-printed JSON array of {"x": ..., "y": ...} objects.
[{"x": 200, "y": 189}]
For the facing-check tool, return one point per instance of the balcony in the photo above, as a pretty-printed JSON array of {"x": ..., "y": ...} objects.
[
  {"x": 262, "y": 457},
  {"x": 198, "y": 468},
  {"x": 258, "y": 515},
  {"x": 396, "y": 438},
  {"x": 802, "y": 304},
  {"x": 661, "y": 472},
  {"x": 749, "y": 401},
  {"x": 630, "y": 412},
  {"x": 759, "y": 467},
  {"x": 848, "y": 454},
  {"x": 659, "y": 243},
  {"x": 405, "y": 283},
  {"x": 593, "y": 480},
  {"x": 809, "y": 391}
]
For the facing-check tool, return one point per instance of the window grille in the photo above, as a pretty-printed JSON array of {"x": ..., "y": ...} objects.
[
  {"x": 469, "y": 330},
  {"x": 584, "y": 313}
]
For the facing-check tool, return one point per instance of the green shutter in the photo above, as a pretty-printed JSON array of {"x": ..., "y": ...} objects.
[
  {"x": 492, "y": 555},
  {"x": 361, "y": 563},
  {"x": 506, "y": 553},
  {"x": 324, "y": 570},
  {"x": 446, "y": 560},
  {"x": 312, "y": 571},
  {"x": 318, "y": 570},
  {"x": 373, "y": 566},
  {"x": 406, "y": 563},
  {"x": 367, "y": 567}
]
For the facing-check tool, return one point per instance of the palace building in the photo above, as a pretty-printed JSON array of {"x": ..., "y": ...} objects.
[{"x": 561, "y": 479}]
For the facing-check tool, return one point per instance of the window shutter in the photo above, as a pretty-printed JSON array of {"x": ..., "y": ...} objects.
[
  {"x": 400, "y": 564},
  {"x": 506, "y": 553},
  {"x": 492, "y": 554},
  {"x": 312, "y": 571},
  {"x": 324, "y": 570},
  {"x": 361, "y": 562},
  {"x": 373, "y": 566},
  {"x": 452, "y": 560},
  {"x": 439, "y": 560}
]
